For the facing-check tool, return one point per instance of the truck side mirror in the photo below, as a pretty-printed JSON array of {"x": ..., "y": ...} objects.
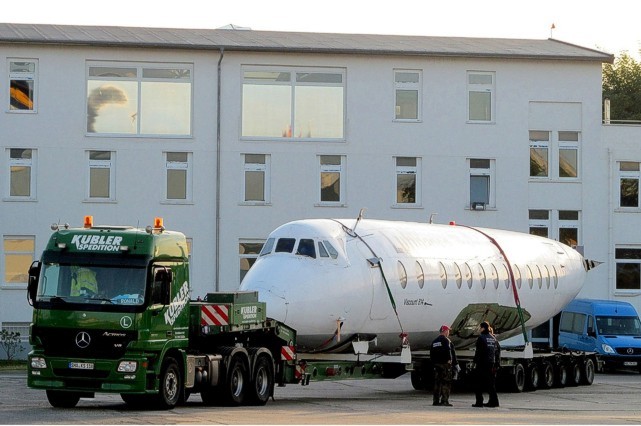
[{"x": 32, "y": 286}]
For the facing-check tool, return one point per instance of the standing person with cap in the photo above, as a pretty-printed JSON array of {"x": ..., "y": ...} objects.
[
  {"x": 444, "y": 361},
  {"x": 487, "y": 360}
]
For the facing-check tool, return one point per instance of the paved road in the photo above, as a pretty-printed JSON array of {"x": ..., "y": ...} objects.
[{"x": 612, "y": 399}]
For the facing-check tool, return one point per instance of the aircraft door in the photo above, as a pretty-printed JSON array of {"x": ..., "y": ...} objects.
[{"x": 381, "y": 305}]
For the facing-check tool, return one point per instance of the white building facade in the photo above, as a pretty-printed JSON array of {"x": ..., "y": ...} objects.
[{"x": 227, "y": 134}]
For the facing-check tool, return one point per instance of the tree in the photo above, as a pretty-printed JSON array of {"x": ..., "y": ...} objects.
[
  {"x": 622, "y": 85},
  {"x": 11, "y": 343}
]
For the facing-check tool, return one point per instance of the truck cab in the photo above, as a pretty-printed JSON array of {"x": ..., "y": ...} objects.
[
  {"x": 610, "y": 328},
  {"x": 109, "y": 308}
]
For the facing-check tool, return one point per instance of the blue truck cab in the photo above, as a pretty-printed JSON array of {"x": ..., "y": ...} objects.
[{"x": 610, "y": 328}]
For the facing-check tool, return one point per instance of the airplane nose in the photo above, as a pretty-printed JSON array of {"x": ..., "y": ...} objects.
[{"x": 276, "y": 303}]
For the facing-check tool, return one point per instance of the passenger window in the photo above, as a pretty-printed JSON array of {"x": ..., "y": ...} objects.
[
  {"x": 322, "y": 252},
  {"x": 402, "y": 274},
  {"x": 457, "y": 275},
  {"x": 420, "y": 275},
  {"x": 330, "y": 248},
  {"x": 267, "y": 248},
  {"x": 517, "y": 275},
  {"x": 468, "y": 275},
  {"x": 285, "y": 245},
  {"x": 306, "y": 248},
  {"x": 443, "y": 274}
]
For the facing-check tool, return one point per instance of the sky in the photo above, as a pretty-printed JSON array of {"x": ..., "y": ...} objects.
[{"x": 613, "y": 26}]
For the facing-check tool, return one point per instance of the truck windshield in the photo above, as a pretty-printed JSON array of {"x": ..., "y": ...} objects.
[
  {"x": 619, "y": 326},
  {"x": 92, "y": 284}
]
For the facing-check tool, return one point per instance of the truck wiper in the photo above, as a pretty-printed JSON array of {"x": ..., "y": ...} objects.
[{"x": 102, "y": 299}]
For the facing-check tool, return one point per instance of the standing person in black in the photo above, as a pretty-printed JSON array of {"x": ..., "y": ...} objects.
[
  {"x": 443, "y": 359},
  {"x": 487, "y": 359}
]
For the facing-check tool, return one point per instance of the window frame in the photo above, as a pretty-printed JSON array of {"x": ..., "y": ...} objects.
[
  {"x": 626, "y": 261},
  {"x": 23, "y": 76},
  {"x": 408, "y": 86},
  {"x": 265, "y": 168},
  {"x": 179, "y": 165},
  {"x": 249, "y": 258},
  {"x": 332, "y": 168},
  {"x": 555, "y": 223},
  {"x": 288, "y": 134},
  {"x": 630, "y": 175},
  {"x": 489, "y": 172},
  {"x": 140, "y": 79},
  {"x": 22, "y": 162},
  {"x": 554, "y": 146},
  {"x": 400, "y": 170},
  {"x": 101, "y": 164},
  {"x": 4, "y": 284},
  {"x": 481, "y": 88}
]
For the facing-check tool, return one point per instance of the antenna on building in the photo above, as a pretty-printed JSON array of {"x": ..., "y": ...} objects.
[{"x": 552, "y": 28}]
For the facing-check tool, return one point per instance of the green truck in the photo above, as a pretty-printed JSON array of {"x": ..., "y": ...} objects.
[{"x": 113, "y": 313}]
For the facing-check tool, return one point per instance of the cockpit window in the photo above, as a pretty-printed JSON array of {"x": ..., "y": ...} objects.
[
  {"x": 267, "y": 248},
  {"x": 285, "y": 245},
  {"x": 330, "y": 248},
  {"x": 322, "y": 252},
  {"x": 306, "y": 248}
]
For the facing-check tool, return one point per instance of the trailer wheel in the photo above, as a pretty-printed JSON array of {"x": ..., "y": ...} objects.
[
  {"x": 547, "y": 375},
  {"x": 561, "y": 376},
  {"x": 171, "y": 384},
  {"x": 517, "y": 379},
  {"x": 262, "y": 383},
  {"x": 61, "y": 399},
  {"x": 574, "y": 378},
  {"x": 236, "y": 381},
  {"x": 587, "y": 373},
  {"x": 532, "y": 378},
  {"x": 420, "y": 380}
]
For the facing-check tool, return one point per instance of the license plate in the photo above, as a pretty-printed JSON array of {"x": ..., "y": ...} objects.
[
  {"x": 630, "y": 364},
  {"x": 81, "y": 365}
]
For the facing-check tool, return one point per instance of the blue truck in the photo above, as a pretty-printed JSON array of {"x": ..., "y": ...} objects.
[{"x": 610, "y": 328}]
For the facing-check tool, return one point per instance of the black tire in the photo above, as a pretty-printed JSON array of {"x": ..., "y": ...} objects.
[
  {"x": 574, "y": 376},
  {"x": 236, "y": 381},
  {"x": 532, "y": 378},
  {"x": 419, "y": 381},
  {"x": 171, "y": 384},
  {"x": 262, "y": 384},
  {"x": 517, "y": 379},
  {"x": 61, "y": 399},
  {"x": 587, "y": 372},
  {"x": 546, "y": 375},
  {"x": 561, "y": 376},
  {"x": 211, "y": 395}
]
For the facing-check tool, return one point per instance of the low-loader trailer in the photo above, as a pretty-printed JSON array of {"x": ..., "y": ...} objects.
[{"x": 113, "y": 313}]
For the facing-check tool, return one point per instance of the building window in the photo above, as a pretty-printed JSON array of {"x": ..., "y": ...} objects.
[
  {"x": 480, "y": 96},
  {"x": 101, "y": 175},
  {"x": 407, "y": 85},
  {"x": 628, "y": 268},
  {"x": 482, "y": 184},
  {"x": 332, "y": 179},
  {"x": 19, "y": 253},
  {"x": 629, "y": 184},
  {"x": 248, "y": 251},
  {"x": 293, "y": 104},
  {"x": 22, "y": 177},
  {"x": 22, "y": 85},
  {"x": 178, "y": 176},
  {"x": 256, "y": 178},
  {"x": 408, "y": 181},
  {"x": 561, "y": 225},
  {"x": 554, "y": 151},
  {"x": 150, "y": 99}
]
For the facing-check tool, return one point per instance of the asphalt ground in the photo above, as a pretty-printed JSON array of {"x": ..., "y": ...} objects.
[{"x": 611, "y": 399}]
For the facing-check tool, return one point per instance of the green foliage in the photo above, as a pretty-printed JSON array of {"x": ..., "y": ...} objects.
[
  {"x": 622, "y": 85},
  {"x": 11, "y": 343}
]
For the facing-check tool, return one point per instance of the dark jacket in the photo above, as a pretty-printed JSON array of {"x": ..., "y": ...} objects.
[
  {"x": 442, "y": 351},
  {"x": 488, "y": 351}
]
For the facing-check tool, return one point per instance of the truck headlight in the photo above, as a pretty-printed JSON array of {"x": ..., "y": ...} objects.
[
  {"x": 607, "y": 349},
  {"x": 127, "y": 366},
  {"x": 38, "y": 362}
]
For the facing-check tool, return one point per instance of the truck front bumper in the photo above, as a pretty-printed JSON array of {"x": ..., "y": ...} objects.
[{"x": 87, "y": 375}]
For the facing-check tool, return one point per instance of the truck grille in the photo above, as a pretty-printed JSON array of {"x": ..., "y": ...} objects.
[
  {"x": 81, "y": 343},
  {"x": 629, "y": 351}
]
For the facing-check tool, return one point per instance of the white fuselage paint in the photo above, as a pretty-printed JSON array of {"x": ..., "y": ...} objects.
[{"x": 454, "y": 275}]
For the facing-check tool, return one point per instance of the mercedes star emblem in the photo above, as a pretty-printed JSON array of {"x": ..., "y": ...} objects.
[{"x": 83, "y": 339}]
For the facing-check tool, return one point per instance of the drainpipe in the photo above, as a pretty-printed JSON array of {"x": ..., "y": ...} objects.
[{"x": 218, "y": 143}]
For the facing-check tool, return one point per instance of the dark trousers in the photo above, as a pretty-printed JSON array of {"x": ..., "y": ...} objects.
[
  {"x": 485, "y": 381},
  {"x": 442, "y": 383}
]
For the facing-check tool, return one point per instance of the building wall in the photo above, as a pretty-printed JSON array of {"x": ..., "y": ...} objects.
[{"x": 530, "y": 95}]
